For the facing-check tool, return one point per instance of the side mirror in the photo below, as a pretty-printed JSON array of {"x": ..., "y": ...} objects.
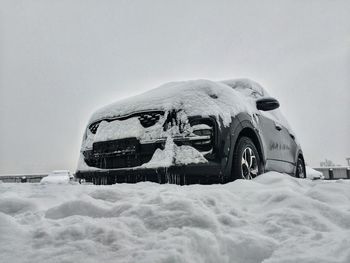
[{"x": 266, "y": 104}]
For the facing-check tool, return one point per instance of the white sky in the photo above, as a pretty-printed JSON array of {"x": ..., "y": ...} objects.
[{"x": 60, "y": 60}]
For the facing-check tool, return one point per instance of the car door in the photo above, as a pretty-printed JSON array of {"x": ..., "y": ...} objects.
[
  {"x": 271, "y": 136},
  {"x": 280, "y": 147},
  {"x": 289, "y": 149}
]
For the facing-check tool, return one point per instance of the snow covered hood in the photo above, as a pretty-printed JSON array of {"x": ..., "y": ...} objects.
[{"x": 194, "y": 97}]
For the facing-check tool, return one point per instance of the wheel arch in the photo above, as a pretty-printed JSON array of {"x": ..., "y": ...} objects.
[
  {"x": 245, "y": 128},
  {"x": 252, "y": 134},
  {"x": 301, "y": 155}
]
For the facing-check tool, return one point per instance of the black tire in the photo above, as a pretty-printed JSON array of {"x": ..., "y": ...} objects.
[
  {"x": 300, "y": 168},
  {"x": 245, "y": 149}
]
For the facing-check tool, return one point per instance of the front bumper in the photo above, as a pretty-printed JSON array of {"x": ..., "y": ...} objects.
[{"x": 206, "y": 173}]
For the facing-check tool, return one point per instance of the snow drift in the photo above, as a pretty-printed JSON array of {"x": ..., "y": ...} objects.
[
  {"x": 274, "y": 218},
  {"x": 57, "y": 177}
]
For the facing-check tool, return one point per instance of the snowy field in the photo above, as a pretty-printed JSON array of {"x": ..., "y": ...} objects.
[{"x": 274, "y": 218}]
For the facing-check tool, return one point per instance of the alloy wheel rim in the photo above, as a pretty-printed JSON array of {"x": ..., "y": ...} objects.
[
  {"x": 301, "y": 170},
  {"x": 249, "y": 165}
]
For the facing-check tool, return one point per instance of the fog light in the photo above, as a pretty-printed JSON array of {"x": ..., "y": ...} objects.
[{"x": 203, "y": 139}]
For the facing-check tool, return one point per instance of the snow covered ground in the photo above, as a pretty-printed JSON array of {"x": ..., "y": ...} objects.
[{"x": 274, "y": 218}]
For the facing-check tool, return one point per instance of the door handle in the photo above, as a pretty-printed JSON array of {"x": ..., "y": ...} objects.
[{"x": 278, "y": 126}]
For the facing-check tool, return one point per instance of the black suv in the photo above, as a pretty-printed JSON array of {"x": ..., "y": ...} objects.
[{"x": 197, "y": 131}]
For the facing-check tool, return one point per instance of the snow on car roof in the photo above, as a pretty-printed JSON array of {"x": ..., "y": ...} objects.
[{"x": 196, "y": 97}]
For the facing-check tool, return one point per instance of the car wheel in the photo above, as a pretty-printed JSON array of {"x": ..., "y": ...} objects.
[
  {"x": 246, "y": 160},
  {"x": 300, "y": 169}
]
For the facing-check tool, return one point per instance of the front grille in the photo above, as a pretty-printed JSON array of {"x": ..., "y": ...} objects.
[
  {"x": 120, "y": 154},
  {"x": 147, "y": 119},
  {"x": 116, "y": 147}
]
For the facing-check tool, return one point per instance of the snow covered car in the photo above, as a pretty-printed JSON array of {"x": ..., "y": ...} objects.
[
  {"x": 57, "y": 177},
  {"x": 197, "y": 131}
]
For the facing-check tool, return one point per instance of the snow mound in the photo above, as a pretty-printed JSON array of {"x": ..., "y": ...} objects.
[
  {"x": 313, "y": 174},
  {"x": 12, "y": 206},
  {"x": 273, "y": 218},
  {"x": 57, "y": 177}
]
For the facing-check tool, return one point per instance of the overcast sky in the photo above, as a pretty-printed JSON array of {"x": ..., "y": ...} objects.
[{"x": 61, "y": 60}]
